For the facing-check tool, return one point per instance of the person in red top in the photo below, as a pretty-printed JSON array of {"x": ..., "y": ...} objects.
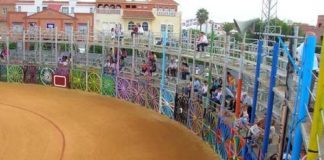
[{"x": 135, "y": 30}]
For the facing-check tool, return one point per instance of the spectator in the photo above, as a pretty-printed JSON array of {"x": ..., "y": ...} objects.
[
  {"x": 112, "y": 33},
  {"x": 196, "y": 85},
  {"x": 184, "y": 70},
  {"x": 135, "y": 31},
  {"x": 230, "y": 81},
  {"x": 204, "y": 89},
  {"x": 172, "y": 68},
  {"x": 140, "y": 29},
  {"x": 202, "y": 42}
]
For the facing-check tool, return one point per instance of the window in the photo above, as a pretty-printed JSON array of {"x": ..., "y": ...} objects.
[
  {"x": 83, "y": 28},
  {"x": 118, "y": 7},
  {"x": 38, "y": 9},
  {"x": 65, "y": 10},
  {"x": 145, "y": 26},
  {"x": 319, "y": 25},
  {"x": 44, "y": 8},
  {"x": 133, "y": 6},
  {"x": 130, "y": 25},
  {"x": 167, "y": 28},
  {"x": 72, "y": 10},
  {"x": 127, "y": 6},
  {"x": 19, "y": 8},
  {"x": 4, "y": 11},
  {"x": 163, "y": 27},
  {"x": 91, "y": 10},
  {"x": 170, "y": 28},
  {"x": 50, "y": 25},
  {"x": 68, "y": 27}
]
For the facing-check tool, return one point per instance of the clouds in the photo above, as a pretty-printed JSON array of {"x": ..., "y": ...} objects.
[{"x": 226, "y": 10}]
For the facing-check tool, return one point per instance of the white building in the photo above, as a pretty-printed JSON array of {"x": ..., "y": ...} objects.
[
  {"x": 207, "y": 27},
  {"x": 69, "y": 7}
]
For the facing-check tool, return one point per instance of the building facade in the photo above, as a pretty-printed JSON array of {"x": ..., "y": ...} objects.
[
  {"x": 207, "y": 27},
  {"x": 5, "y": 7},
  {"x": 50, "y": 19},
  {"x": 318, "y": 29},
  {"x": 65, "y": 6},
  {"x": 152, "y": 15},
  {"x": 76, "y": 15}
]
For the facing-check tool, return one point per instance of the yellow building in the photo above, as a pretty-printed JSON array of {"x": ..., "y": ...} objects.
[{"x": 153, "y": 15}]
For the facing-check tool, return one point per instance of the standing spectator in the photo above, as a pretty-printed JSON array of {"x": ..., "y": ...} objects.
[
  {"x": 196, "y": 85},
  {"x": 184, "y": 70},
  {"x": 202, "y": 42},
  {"x": 112, "y": 33},
  {"x": 172, "y": 68},
  {"x": 140, "y": 29},
  {"x": 135, "y": 31},
  {"x": 119, "y": 31},
  {"x": 204, "y": 89}
]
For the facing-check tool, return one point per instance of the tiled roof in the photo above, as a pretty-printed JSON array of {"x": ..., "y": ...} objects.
[
  {"x": 138, "y": 14},
  {"x": 8, "y": 2},
  {"x": 164, "y": 2}
]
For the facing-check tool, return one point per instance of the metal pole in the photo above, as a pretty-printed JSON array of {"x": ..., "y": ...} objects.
[
  {"x": 306, "y": 78},
  {"x": 256, "y": 81},
  {"x": 316, "y": 130},
  {"x": 162, "y": 85},
  {"x": 24, "y": 46},
  {"x": 227, "y": 49},
  {"x": 212, "y": 39},
  {"x": 71, "y": 47},
  {"x": 56, "y": 56},
  {"x": 270, "y": 100},
  {"x": 87, "y": 55},
  {"x": 288, "y": 94},
  {"x": 240, "y": 80},
  {"x": 133, "y": 58},
  {"x": 40, "y": 45}
]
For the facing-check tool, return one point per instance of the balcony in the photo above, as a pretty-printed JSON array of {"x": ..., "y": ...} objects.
[
  {"x": 108, "y": 11},
  {"x": 166, "y": 13}
]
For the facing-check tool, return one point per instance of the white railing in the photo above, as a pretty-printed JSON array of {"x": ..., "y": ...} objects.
[
  {"x": 166, "y": 13},
  {"x": 108, "y": 11}
]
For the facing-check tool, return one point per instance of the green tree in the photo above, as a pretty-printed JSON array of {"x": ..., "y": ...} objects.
[
  {"x": 202, "y": 16},
  {"x": 227, "y": 27}
]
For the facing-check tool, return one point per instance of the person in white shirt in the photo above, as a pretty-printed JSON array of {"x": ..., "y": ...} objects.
[
  {"x": 172, "y": 68},
  {"x": 140, "y": 29},
  {"x": 202, "y": 42}
]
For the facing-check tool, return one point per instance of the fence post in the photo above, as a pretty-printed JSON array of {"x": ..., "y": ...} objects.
[
  {"x": 162, "y": 85},
  {"x": 256, "y": 80},
  {"x": 316, "y": 129},
  {"x": 306, "y": 78},
  {"x": 270, "y": 100}
]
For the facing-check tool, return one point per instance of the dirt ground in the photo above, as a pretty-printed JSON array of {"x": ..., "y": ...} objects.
[{"x": 47, "y": 123}]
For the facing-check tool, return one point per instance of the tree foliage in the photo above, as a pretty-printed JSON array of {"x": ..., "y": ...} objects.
[
  {"x": 227, "y": 27},
  {"x": 202, "y": 16}
]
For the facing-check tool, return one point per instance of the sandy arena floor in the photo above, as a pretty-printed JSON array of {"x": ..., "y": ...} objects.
[{"x": 46, "y": 123}]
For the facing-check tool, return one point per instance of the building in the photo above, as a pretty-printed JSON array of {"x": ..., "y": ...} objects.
[
  {"x": 318, "y": 29},
  {"x": 50, "y": 14},
  {"x": 50, "y": 19},
  {"x": 65, "y": 6},
  {"x": 5, "y": 7},
  {"x": 207, "y": 27},
  {"x": 153, "y": 15}
]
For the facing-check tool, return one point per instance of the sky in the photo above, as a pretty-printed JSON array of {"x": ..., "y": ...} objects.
[{"x": 303, "y": 11}]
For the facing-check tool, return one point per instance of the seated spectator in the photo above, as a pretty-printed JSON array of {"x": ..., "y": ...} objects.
[
  {"x": 202, "y": 42},
  {"x": 64, "y": 61},
  {"x": 144, "y": 67},
  {"x": 230, "y": 81}
]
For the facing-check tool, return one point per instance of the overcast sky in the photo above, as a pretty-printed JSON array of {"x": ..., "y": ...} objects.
[{"x": 305, "y": 11}]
